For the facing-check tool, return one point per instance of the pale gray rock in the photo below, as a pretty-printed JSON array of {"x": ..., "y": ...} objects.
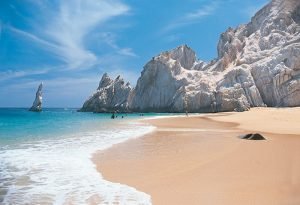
[
  {"x": 258, "y": 64},
  {"x": 273, "y": 51},
  {"x": 37, "y": 103},
  {"x": 184, "y": 55},
  {"x": 110, "y": 96},
  {"x": 165, "y": 86}
]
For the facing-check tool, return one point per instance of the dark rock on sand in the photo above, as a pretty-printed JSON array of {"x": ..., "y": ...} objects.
[{"x": 251, "y": 136}]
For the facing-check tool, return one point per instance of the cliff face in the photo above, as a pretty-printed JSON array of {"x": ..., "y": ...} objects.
[
  {"x": 167, "y": 84},
  {"x": 111, "y": 95},
  {"x": 37, "y": 103},
  {"x": 270, "y": 45},
  {"x": 258, "y": 64}
]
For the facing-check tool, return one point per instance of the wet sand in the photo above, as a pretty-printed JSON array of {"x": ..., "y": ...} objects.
[{"x": 202, "y": 160}]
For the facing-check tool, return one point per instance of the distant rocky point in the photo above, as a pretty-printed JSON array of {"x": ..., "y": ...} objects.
[
  {"x": 258, "y": 64},
  {"x": 37, "y": 104},
  {"x": 111, "y": 95}
]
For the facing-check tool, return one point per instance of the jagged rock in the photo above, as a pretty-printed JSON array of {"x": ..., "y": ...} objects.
[
  {"x": 185, "y": 56},
  {"x": 166, "y": 86},
  {"x": 111, "y": 96},
  {"x": 37, "y": 103},
  {"x": 271, "y": 47},
  {"x": 258, "y": 64}
]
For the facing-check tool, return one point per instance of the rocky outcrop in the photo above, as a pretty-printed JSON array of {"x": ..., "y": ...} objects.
[
  {"x": 258, "y": 64},
  {"x": 110, "y": 96},
  {"x": 167, "y": 86},
  {"x": 37, "y": 103},
  {"x": 270, "y": 45}
]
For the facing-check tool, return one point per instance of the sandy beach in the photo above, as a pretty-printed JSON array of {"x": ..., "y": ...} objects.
[{"x": 202, "y": 160}]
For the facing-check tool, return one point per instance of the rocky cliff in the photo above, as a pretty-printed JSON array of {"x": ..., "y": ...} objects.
[
  {"x": 270, "y": 45},
  {"x": 258, "y": 64},
  {"x": 175, "y": 83},
  {"x": 37, "y": 103},
  {"x": 111, "y": 95}
]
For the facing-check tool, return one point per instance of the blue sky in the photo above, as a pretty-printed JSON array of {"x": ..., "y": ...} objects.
[{"x": 68, "y": 44}]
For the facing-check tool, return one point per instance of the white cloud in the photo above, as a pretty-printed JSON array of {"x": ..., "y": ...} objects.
[
  {"x": 203, "y": 11},
  {"x": 110, "y": 40},
  {"x": 66, "y": 28},
  {"x": 127, "y": 52},
  {"x": 10, "y": 74},
  {"x": 192, "y": 17},
  {"x": 75, "y": 20},
  {"x": 47, "y": 45}
]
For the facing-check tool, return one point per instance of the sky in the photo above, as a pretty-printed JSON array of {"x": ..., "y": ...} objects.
[{"x": 69, "y": 44}]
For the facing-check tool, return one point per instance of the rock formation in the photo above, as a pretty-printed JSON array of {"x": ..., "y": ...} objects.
[
  {"x": 111, "y": 95},
  {"x": 270, "y": 45},
  {"x": 37, "y": 104},
  {"x": 175, "y": 83},
  {"x": 258, "y": 64}
]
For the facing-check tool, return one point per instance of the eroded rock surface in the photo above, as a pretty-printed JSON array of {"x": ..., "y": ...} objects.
[
  {"x": 110, "y": 96},
  {"x": 37, "y": 103},
  {"x": 258, "y": 64}
]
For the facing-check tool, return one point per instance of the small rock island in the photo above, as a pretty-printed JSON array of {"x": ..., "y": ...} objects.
[{"x": 37, "y": 104}]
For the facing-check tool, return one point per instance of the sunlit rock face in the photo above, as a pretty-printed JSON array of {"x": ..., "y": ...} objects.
[
  {"x": 37, "y": 103},
  {"x": 270, "y": 45},
  {"x": 167, "y": 86},
  {"x": 258, "y": 64},
  {"x": 110, "y": 96}
]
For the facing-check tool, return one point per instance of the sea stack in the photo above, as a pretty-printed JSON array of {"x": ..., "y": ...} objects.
[
  {"x": 110, "y": 96},
  {"x": 37, "y": 104}
]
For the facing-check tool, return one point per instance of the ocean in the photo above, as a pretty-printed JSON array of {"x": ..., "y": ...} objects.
[{"x": 45, "y": 158}]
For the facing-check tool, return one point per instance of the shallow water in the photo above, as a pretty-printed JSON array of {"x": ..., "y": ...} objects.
[{"x": 45, "y": 157}]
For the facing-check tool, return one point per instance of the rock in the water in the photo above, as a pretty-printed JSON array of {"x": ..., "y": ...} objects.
[
  {"x": 255, "y": 136},
  {"x": 258, "y": 64},
  {"x": 111, "y": 96},
  {"x": 37, "y": 104}
]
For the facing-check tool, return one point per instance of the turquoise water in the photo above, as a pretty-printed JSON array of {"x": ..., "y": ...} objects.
[
  {"x": 18, "y": 124},
  {"x": 45, "y": 158}
]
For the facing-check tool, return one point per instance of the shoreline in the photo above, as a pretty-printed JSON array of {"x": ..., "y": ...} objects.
[{"x": 201, "y": 159}]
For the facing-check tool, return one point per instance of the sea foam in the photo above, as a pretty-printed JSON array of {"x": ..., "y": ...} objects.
[{"x": 60, "y": 171}]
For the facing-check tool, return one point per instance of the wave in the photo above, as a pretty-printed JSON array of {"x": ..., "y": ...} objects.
[{"x": 60, "y": 170}]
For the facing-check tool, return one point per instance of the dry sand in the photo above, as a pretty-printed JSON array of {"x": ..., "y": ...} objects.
[{"x": 201, "y": 159}]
